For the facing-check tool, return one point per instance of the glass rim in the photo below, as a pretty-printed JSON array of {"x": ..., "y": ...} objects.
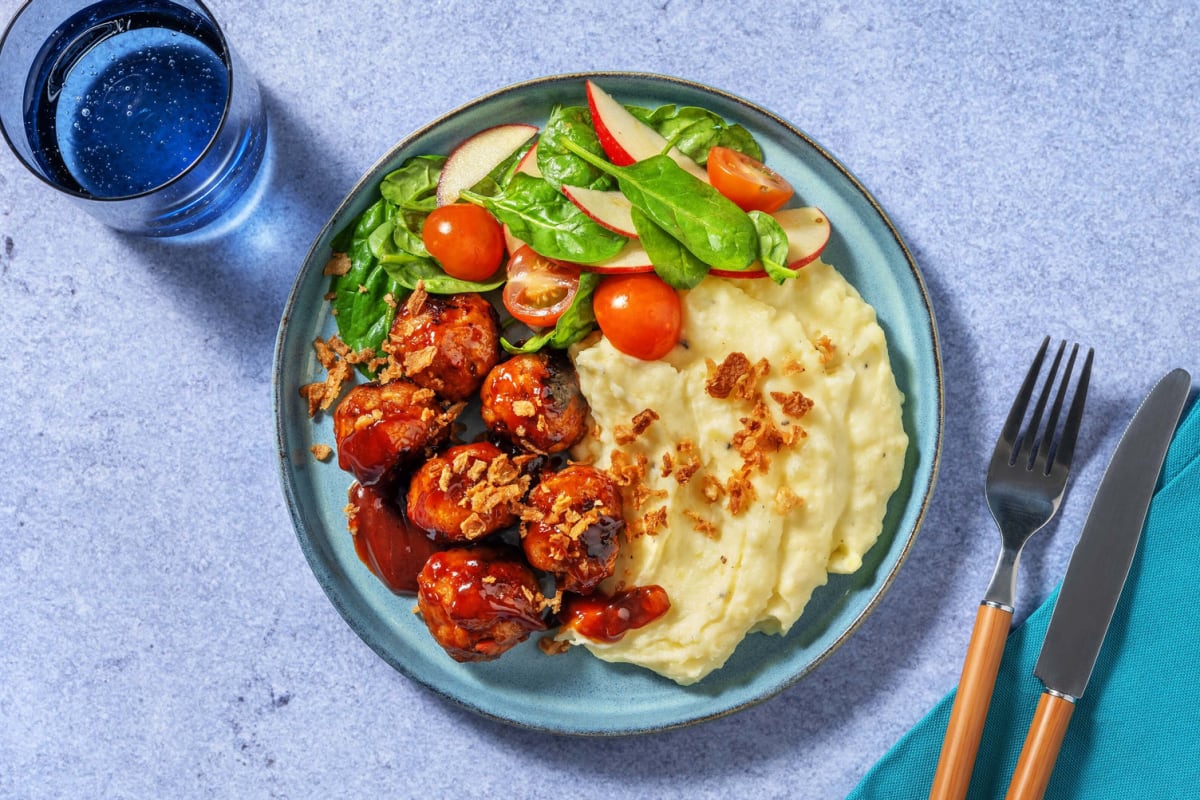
[{"x": 227, "y": 57}]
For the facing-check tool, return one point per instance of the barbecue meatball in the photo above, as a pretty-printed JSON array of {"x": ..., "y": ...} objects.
[
  {"x": 379, "y": 427},
  {"x": 467, "y": 492},
  {"x": 534, "y": 401},
  {"x": 479, "y": 601},
  {"x": 573, "y": 526},
  {"x": 446, "y": 343}
]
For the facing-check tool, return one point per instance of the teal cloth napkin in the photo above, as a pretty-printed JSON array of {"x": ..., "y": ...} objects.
[{"x": 1136, "y": 731}]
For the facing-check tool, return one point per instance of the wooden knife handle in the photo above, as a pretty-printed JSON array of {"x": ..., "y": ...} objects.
[
  {"x": 1040, "y": 751},
  {"x": 970, "y": 708}
]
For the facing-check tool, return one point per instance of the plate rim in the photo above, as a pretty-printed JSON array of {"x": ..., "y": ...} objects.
[{"x": 372, "y": 174}]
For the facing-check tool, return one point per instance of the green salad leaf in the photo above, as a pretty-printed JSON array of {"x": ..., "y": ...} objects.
[
  {"x": 406, "y": 234},
  {"x": 705, "y": 221},
  {"x": 542, "y": 217},
  {"x": 380, "y": 242},
  {"x": 673, "y": 262},
  {"x": 412, "y": 190},
  {"x": 772, "y": 247},
  {"x": 409, "y": 274},
  {"x": 413, "y": 187},
  {"x": 363, "y": 316},
  {"x": 559, "y": 165},
  {"x": 343, "y": 239},
  {"x": 696, "y": 130}
]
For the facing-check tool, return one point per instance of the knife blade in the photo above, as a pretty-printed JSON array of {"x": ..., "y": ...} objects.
[{"x": 1095, "y": 578}]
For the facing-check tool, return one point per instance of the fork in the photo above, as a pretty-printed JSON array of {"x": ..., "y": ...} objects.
[{"x": 1024, "y": 488}]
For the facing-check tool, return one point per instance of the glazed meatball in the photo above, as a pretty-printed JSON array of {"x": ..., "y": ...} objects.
[
  {"x": 380, "y": 427},
  {"x": 479, "y": 601},
  {"x": 572, "y": 527},
  {"x": 534, "y": 401},
  {"x": 446, "y": 343},
  {"x": 467, "y": 492}
]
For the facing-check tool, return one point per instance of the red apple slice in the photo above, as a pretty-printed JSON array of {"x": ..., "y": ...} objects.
[
  {"x": 528, "y": 163},
  {"x": 632, "y": 258},
  {"x": 808, "y": 232},
  {"x": 752, "y": 271},
  {"x": 475, "y": 158},
  {"x": 612, "y": 120},
  {"x": 608, "y": 208},
  {"x": 625, "y": 138}
]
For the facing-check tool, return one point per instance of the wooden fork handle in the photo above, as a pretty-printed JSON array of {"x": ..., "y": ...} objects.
[
  {"x": 970, "y": 708},
  {"x": 1040, "y": 751}
]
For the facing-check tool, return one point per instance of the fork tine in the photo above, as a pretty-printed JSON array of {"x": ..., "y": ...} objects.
[
  {"x": 1047, "y": 447},
  {"x": 1012, "y": 426},
  {"x": 1066, "y": 444},
  {"x": 1030, "y": 438}
]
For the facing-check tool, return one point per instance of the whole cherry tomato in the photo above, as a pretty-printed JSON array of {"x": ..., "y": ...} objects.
[
  {"x": 640, "y": 314},
  {"x": 749, "y": 183},
  {"x": 539, "y": 289},
  {"x": 465, "y": 239}
]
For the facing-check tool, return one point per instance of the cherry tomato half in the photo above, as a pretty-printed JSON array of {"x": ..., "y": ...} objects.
[
  {"x": 539, "y": 289},
  {"x": 749, "y": 183},
  {"x": 465, "y": 239},
  {"x": 640, "y": 314}
]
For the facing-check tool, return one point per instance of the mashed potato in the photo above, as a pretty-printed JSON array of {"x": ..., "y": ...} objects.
[{"x": 756, "y": 458}]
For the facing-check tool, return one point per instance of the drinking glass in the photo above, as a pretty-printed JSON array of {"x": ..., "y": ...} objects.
[{"x": 138, "y": 109}]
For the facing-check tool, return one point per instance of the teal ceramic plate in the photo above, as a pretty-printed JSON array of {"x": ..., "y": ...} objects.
[{"x": 576, "y": 693}]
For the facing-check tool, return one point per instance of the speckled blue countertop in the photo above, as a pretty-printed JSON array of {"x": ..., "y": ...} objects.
[{"x": 160, "y": 631}]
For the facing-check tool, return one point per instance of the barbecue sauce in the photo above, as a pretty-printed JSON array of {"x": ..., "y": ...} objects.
[
  {"x": 607, "y": 619},
  {"x": 386, "y": 541}
]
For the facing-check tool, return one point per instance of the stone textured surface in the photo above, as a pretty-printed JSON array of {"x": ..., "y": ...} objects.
[{"x": 160, "y": 632}]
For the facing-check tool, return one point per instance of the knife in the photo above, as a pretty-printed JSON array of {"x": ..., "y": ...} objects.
[{"x": 1094, "y": 579}]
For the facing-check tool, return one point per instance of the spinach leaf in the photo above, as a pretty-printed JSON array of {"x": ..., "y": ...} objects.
[
  {"x": 380, "y": 242},
  {"x": 406, "y": 233},
  {"x": 705, "y": 221},
  {"x": 542, "y": 217},
  {"x": 772, "y": 247},
  {"x": 399, "y": 259},
  {"x": 696, "y": 130},
  {"x": 673, "y": 262},
  {"x": 341, "y": 241},
  {"x": 559, "y": 165},
  {"x": 575, "y": 323},
  {"x": 363, "y": 316},
  {"x": 399, "y": 236},
  {"x": 414, "y": 185},
  {"x": 409, "y": 272},
  {"x": 735, "y": 137},
  {"x": 412, "y": 190}
]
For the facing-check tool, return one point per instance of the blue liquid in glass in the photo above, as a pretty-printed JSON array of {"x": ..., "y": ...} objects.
[{"x": 127, "y": 97}]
